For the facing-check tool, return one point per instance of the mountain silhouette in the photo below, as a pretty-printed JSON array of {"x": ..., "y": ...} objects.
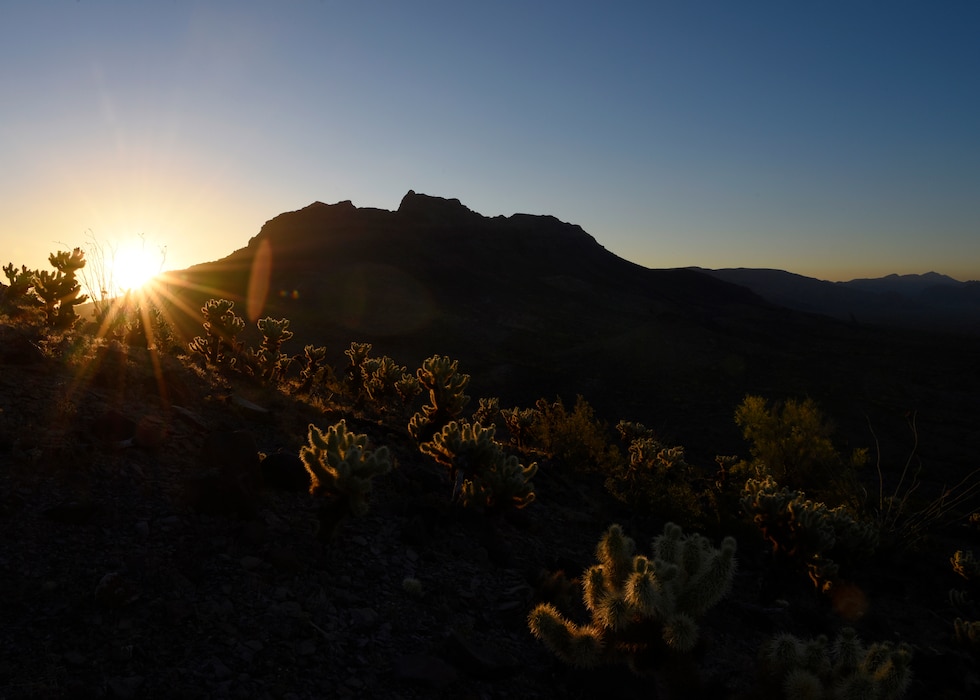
[{"x": 534, "y": 307}]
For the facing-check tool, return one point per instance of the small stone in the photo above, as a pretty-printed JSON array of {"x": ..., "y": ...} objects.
[
  {"x": 424, "y": 668},
  {"x": 75, "y": 658},
  {"x": 250, "y": 562},
  {"x": 125, "y": 687},
  {"x": 306, "y": 648},
  {"x": 142, "y": 528},
  {"x": 363, "y": 618}
]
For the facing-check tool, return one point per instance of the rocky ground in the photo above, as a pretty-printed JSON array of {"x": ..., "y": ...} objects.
[{"x": 131, "y": 567}]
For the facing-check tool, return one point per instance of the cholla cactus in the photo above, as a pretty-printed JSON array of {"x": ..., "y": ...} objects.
[
  {"x": 519, "y": 422},
  {"x": 656, "y": 478},
  {"x": 16, "y": 293},
  {"x": 805, "y": 531},
  {"x": 644, "y": 609},
  {"x": 313, "y": 366},
  {"x": 273, "y": 364},
  {"x": 794, "y": 668},
  {"x": 381, "y": 377},
  {"x": 340, "y": 466},
  {"x": 221, "y": 326},
  {"x": 376, "y": 382},
  {"x": 441, "y": 378},
  {"x": 60, "y": 290},
  {"x": 967, "y": 633},
  {"x": 487, "y": 412},
  {"x": 966, "y": 565},
  {"x": 482, "y": 475}
]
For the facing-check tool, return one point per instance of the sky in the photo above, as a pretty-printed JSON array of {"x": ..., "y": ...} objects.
[{"x": 834, "y": 139}]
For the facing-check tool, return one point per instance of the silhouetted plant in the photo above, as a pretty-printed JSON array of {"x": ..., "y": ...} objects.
[
  {"x": 791, "y": 443},
  {"x": 578, "y": 439},
  {"x": 222, "y": 325},
  {"x": 481, "y": 474},
  {"x": 18, "y": 293},
  {"x": 439, "y": 376},
  {"x": 644, "y": 610},
  {"x": 904, "y": 518},
  {"x": 793, "y": 668},
  {"x": 59, "y": 290}
]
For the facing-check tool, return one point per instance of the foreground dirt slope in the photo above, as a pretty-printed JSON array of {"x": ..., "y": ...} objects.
[{"x": 121, "y": 578}]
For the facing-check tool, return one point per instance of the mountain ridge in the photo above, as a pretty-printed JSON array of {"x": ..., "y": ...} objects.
[
  {"x": 925, "y": 301},
  {"x": 534, "y": 307}
]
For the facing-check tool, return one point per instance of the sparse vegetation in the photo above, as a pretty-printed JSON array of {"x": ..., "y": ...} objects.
[
  {"x": 645, "y": 611},
  {"x": 793, "y": 668}
]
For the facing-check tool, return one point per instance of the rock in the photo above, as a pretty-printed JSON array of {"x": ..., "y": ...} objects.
[
  {"x": 284, "y": 471},
  {"x": 363, "y": 618},
  {"x": 248, "y": 408},
  {"x": 116, "y": 591},
  {"x": 424, "y": 668},
  {"x": 190, "y": 417},
  {"x": 477, "y": 660},
  {"x": 150, "y": 433},
  {"x": 230, "y": 476},
  {"x": 124, "y": 688},
  {"x": 73, "y": 512},
  {"x": 113, "y": 426},
  {"x": 20, "y": 351}
]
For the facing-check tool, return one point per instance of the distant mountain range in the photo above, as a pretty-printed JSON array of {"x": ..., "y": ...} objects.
[{"x": 930, "y": 301}]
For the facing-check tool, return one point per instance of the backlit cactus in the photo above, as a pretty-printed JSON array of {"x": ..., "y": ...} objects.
[
  {"x": 439, "y": 376},
  {"x": 481, "y": 474},
  {"x": 221, "y": 327},
  {"x": 273, "y": 364},
  {"x": 645, "y": 610},
  {"x": 844, "y": 670},
  {"x": 60, "y": 290},
  {"x": 807, "y": 532},
  {"x": 341, "y": 466}
]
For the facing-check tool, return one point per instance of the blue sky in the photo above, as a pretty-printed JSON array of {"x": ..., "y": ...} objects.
[{"x": 832, "y": 139}]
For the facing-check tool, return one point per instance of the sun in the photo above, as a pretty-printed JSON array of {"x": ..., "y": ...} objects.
[{"x": 133, "y": 265}]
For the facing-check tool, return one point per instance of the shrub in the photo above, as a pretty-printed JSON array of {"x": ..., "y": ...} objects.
[
  {"x": 644, "y": 610},
  {"x": 578, "y": 439},
  {"x": 791, "y": 443}
]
